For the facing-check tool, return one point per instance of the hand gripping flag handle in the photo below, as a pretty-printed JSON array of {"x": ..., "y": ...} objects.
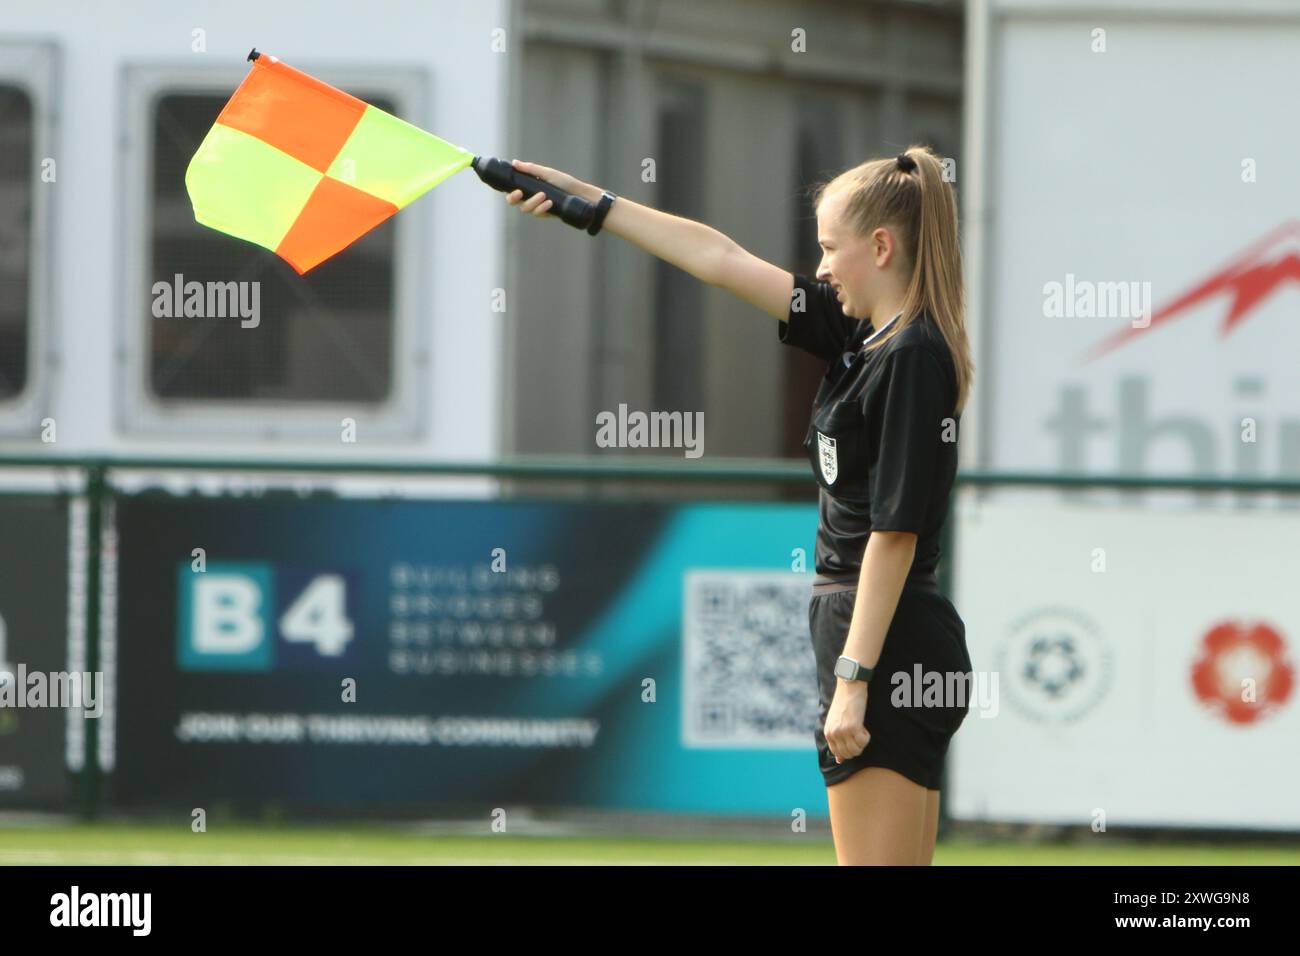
[{"x": 500, "y": 175}]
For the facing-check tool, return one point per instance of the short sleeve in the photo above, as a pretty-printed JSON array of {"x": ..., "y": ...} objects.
[
  {"x": 913, "y": 396},
  {"x": 816, "y": 323}
]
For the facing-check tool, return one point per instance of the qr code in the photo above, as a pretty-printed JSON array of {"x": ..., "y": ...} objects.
[{"x": 748, "y": 672}]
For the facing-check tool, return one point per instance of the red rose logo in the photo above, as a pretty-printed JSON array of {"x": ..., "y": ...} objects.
[{"x": 1242, "y": 671}]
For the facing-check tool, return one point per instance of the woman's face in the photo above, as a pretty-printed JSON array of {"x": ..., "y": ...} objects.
[{"x": 854, "y": 265}]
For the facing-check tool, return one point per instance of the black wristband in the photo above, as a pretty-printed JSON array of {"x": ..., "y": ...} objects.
[{"x": 602, "y": 208}]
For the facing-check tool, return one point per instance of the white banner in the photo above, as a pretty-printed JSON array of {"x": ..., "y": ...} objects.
[
  {"x": 1146, "y": 666},
  {"x": 1139, "y": 227}
]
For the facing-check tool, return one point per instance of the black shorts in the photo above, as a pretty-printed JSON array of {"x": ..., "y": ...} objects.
[{"x": 912, "y": 740}]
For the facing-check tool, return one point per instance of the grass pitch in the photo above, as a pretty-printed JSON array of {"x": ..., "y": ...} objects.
[{"x": 100, "y": 844}]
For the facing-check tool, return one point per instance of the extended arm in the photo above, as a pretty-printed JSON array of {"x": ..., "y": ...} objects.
[{"x": 692, "y": 246}]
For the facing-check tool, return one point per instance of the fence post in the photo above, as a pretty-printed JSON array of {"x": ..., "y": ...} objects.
[
  {"x": 947, "y": 558},
  {"x": 96, "y": 487}
]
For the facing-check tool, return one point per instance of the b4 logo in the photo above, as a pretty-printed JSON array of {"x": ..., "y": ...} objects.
[
  {"x": 231, "y": 615},
  {"x": 830, "y": 464}
]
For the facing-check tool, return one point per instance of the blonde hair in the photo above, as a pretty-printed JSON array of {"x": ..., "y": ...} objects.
[{"x": 921, "y": 209}]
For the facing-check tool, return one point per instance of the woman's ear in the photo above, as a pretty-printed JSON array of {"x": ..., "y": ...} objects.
[{"x": 882, "y": 246}]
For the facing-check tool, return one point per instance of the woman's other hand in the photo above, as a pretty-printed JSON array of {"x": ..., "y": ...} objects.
[{"x": 846, "y": 736}]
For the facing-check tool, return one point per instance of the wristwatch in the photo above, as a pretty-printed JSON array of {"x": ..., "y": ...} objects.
[
  {"x": 602, "y": 207},
  {"x": 850, "y": 669}
]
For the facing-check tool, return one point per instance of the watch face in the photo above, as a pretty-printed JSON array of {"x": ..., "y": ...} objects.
[{"x": 845, "y": 668}]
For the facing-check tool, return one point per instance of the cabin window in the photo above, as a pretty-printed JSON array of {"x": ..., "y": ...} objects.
[
  {"x": 272, "y": 334},
  {"x": 222, "y": 337},
  {"x": 19, "y": 179}
]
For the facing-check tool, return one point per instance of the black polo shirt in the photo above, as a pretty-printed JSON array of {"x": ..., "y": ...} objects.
[{"x": 876, "y": 439}]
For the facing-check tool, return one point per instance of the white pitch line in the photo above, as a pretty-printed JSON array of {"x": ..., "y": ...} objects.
[{"x": 156, "y": 858}]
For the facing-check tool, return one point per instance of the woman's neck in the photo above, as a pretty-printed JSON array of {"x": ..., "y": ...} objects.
[{"x": 884, "y": 311}]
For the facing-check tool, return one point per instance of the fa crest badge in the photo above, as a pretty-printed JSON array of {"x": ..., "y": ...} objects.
[{"x": 830, "y": 464}]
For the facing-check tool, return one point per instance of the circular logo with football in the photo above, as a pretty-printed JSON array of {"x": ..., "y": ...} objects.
[
  {"x": 1054, "y": 665},
  {"x": 1242, "y": 671}
]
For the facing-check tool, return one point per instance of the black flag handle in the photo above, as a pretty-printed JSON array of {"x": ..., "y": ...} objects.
[{"x": 502, "y": 176}]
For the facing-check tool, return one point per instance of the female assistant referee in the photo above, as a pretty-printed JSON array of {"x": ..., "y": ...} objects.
[{"x": 886, "y": 312}]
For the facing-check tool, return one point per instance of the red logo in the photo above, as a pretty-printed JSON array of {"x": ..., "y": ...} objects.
[
  {"x": 1249, "y": 279},
  {"x": 1233, "y": 654}
]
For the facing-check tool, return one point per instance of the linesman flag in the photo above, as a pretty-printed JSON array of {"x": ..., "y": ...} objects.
[{"x": 305, "y": 170}]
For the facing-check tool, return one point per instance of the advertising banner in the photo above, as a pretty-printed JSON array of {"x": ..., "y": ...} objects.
[
  {"x": 1145, "y": 667},
  {"x": 1142, "y": 308},
  {"x": 411, "y": 654},
  {"x": 39, "y": 697}
]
